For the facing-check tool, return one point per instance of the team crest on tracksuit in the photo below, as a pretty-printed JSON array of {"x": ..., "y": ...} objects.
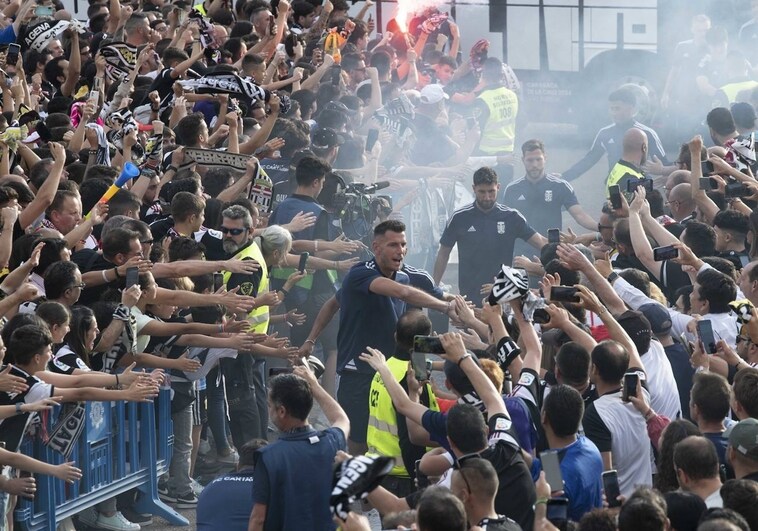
[
  {"x": 501, "y": 227},
  {"x": 548, "y": 196}
]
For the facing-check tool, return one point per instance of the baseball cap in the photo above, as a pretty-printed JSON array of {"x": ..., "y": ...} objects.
[
  {"x": 432, "y": 94},
  {"x": 743, "y": 437},
  {"x": 327, "y": 138},
  {"x": 638, "y": 327},
  {"x": 658, "y": 315}
]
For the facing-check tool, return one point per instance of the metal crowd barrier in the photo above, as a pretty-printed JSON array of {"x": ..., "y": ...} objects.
[{"x": 123, "y": 446}]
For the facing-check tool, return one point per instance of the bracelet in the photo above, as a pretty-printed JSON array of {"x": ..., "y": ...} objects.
[
  {"x": 315, "y": 246},
  {"x": 18, "y": 408},
  {"x": 313, "y": 341},
  {"x": 220, "y": 328},
  {"x": 118, "y": 383},
  {"x": 541, "y": 501},
  {"x": 466, "y": 356},
  {"x": 105, "y": 277},
  {"x": 92, "y": 151},
  {"x": 172, "y": 168},
  {"x": 115, "y": 269},
  {"x": 649, "y": 415},
  {"x": 284, "y": 291}
]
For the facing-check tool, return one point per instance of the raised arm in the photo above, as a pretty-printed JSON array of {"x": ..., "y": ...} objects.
[
  {"x": 46, "y": 192},
  {"x": 573, "y": 259},
  {"x": 332, "y": 410}
]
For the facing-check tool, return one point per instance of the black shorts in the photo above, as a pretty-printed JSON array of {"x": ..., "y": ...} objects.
[{"x": 352, "y": 395}]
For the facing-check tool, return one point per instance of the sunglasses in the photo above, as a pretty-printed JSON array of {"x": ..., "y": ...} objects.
[
  {"x": 460, "y": 465},
  {"x": 233, "y": 232}
]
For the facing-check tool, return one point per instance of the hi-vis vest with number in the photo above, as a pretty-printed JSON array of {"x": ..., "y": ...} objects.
[
  {"x": 258, "y": 317},
  {"x": 499, "y": 132},
  {"x": 733, "y": 90},
  {"x": 619, "y": 170},
  {"x": 382, "y": 436}
]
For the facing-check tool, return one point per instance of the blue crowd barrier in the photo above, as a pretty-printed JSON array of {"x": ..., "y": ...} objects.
[{"x": 123, "y": 446}]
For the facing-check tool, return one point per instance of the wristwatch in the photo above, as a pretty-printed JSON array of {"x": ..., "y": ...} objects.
[{"x": 612, "y": 277}]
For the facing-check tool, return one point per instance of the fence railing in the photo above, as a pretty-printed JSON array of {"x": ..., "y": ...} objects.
[{"x": 123, "y": 446}]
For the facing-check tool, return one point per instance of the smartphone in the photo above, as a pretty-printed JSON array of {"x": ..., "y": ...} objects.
[
  {"x": 418, "y": 362},
  {"x": 708, "y": 183},
  {"x": 632, "y": 184},
  {"x": 540, "y": 316},
  {"x": 707, "y": 167},
  {"x": 553, "y": 236},
  {"x": 428, "y": 345},
  {"x": 611, "y": 488},
  {"x": 564, "y": 294},
  {"x": 557, "y": 512},
  {"x": 44, "y": 11},
  {"x": 705, "y": 333},
  {"x": 336, "y": 74},
  {"x": 181, "y": 16},
  {"x": 615, "y": 196},
  {"x": 631, "y": 385},
  {"x": 737, "y": 190},
  {"x": 667, "y": 252},
  {"x": 11, "y": 57},
  {"x": 303, "y": 259},
  {"x": 371, "y": 138},
  {"x": 132, "y": 276},
  {"x": 218, "y": 281},
  {"x": 276, "y": 371},
  {"x": 271, "y": 24},
  {"x": 552, "y": 467},
  {"x": 422, "y": 480}
]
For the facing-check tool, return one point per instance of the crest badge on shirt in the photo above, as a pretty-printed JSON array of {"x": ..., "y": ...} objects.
[
  {"x": 548, "y": 196},
  {"x": 501, "y": 227}
]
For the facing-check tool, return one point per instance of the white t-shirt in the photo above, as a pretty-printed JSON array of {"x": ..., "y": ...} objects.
[{"x": 664, "y": 394}]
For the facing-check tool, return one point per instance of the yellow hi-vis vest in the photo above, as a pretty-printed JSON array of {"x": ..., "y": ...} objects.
[
  {"x": 258, "y": 317},
  {"x": 733, "y": 90},
  {"x": 382, "y": 436},
  {"x": 619, "y": 170},
  {"x": 499, "y": 133}
]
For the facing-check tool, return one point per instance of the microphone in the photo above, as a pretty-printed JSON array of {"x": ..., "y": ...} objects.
[{"x": 379, "y": 185}]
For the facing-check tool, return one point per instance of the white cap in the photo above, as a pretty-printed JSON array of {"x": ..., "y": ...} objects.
[{"x": 432, "y": 94}]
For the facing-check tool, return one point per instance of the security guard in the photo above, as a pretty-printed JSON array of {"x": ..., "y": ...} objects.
[
  {"x": 633, "y": 156},
  {"x": 387, "y": 432},
  {"x": 496, "y": 109}
]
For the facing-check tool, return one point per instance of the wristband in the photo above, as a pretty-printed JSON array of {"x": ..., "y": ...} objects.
[
  {"x": 105, "y": 277},
  {"x": 118, "y": 384},
  {"x": 115, "y": 269},
  {"x": 220, "y": 328},
  {"x": 466, "y": 356},
  {"x": 612, "y": 277},
  {"x": 313, "y": 341},
  {"x": 649, "y": 415},
  {"x": 541, "y": 501},
  {"x": 284, "y": 291},
  {"x": 315, "y": 246},
  {"x": 18, "y": 408},
  {"x": 172, "y": 168}
]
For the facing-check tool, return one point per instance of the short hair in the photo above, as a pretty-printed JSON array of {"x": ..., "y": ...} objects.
[
  {"x": 624, "y": 95},
  {"x": 182, "y": 248},
  {"x": 50, "y": 253},
  {"x": 597, "y": 520},
  {"x": 563, "y": 408},
  {"x": 718, "y": 289},
  {"x": 391, "y": 225},
  {"x": 58, "y": 278},
  {"x": 485, "y": 175},
  {"x": 645, "y": 509},
  {"x": 184, "y": 205},
  {"x": 26, "y": 342},
  {"x": 482, "y": 476},
  {"x": 699, "y": 237},
  {"x": 216, "y": 180},
  {"x": 722, "y": 265},
  {"x": 293, "y": 393},
  {"x": 532, "y": 145},
  {"x": 439, "y": 510},
  {"x": 711, "y": 394},
  {"x": 638, "y": 279},
  {"x": 189, "y": 128},
  {"x": 60, "y": 199},
  {"x": 611, "y": 360},
  {"x": 745, "y": 388},
  {"x": 466, "y": 428},
  {"x": 247, "y": 452},
  {"x": 123, "y": 201},
  {"x": 733, "y": 221},
  {"x": 40, "y": 171},
  {"x": 310, "y": 169},
  {"x": 492, "y": 69},
  {"x": 721, "y": 121},
  {"x": 573, "y": 361},
  {"x": 741, "y": 495},
  {"x": 717, "y": 35},
  {"x": 722, "y": 519},
  {"x": 239, "y": 212},
  {"x": 133, "y": 22},
  {"x": 99, "y": 171},
  {"x": 173, "y": 54},
  {"x": 696, "y": 456},
  {"x": 411, "y": 324},
  {"x": 118, "y": 241},
  {"x": 53, "y": 313}
]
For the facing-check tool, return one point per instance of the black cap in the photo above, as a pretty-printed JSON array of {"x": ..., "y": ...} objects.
[
  {"x": 457, "y": 378},
  {"x": 327, "y": 138}
]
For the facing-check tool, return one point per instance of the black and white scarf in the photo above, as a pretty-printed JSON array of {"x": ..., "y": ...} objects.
[
  {"x": 39, "y": 35},
  {"x": 121, "y": 59}
]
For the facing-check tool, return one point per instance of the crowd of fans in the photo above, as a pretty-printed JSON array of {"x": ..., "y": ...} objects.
[{"x": 188, "y": 201}]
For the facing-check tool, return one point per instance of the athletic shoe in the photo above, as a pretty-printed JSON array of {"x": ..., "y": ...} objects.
[
  {"x": 143, "y": 520},
  {"x": 117, "y": 522},
  {"x": 164, "y": 495},
  {"x": 204, "y": 448},
  {"x": 88, "y": 517},
  {"x": 186, "y": 501},
  {"x": 230, "y": 459},
  {"x": 197, "y": 488}
]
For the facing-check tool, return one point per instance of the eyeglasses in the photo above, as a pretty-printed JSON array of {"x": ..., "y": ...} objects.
[
  {"x": 233, "y": 232},
  {"x": 147, "y": 242},
  {"x": 740, "y": 339},
  {"x": 80, "y": 286}
]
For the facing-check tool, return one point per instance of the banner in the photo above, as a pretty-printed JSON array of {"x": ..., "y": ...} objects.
[
  {"x": 121, "y": 59},
  {"x": 39, "y": 35},
  {"x": 214, "y": 158},
  {"x": 67, "y": 429}
]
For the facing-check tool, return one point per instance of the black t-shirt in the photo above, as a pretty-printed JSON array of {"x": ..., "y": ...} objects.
[
  {"x": 516, "y": 494},
  {"x": 164, "y": 84},
  {"x": 91, "y": 260},
  {"x": 541, "y": 202}
]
